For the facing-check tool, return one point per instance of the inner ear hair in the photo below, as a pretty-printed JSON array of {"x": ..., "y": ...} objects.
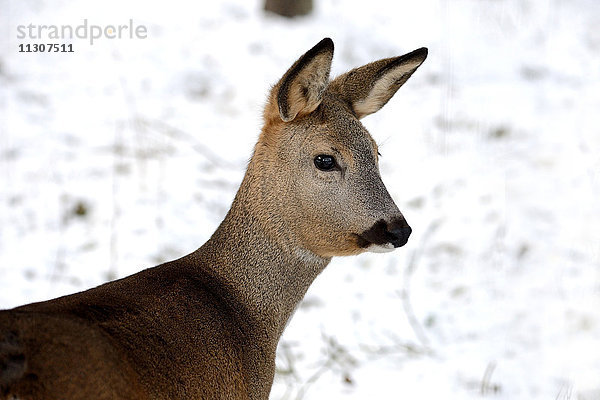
[
  {"x": 370, "y": 87},
  {"x": 300, "y": 90}
]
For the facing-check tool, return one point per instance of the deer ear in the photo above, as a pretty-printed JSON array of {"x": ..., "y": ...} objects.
[
  {"x": 301, "y": 88},
  {"x": 370, "y": 87}
]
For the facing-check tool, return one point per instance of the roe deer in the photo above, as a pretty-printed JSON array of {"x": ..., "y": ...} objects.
[{"x": 206, "y": 326}]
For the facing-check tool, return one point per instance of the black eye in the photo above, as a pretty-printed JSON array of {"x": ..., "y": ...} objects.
[{"x": 325, "y": 162}]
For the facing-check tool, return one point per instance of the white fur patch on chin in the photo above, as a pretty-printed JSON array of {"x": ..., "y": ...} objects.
[{"x": 381, "y": 248}]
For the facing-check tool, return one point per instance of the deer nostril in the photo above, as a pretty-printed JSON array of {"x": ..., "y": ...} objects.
[{"x": 406, "y": 231}]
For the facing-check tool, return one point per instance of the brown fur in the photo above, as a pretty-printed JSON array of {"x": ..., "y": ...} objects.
[{"x": 206, "y": 326}]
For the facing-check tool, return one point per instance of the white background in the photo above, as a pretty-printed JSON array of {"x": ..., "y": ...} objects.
[{"x": 127, "y": 153}]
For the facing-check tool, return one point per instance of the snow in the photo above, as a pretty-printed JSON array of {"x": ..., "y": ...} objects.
[{"x": 128, "y": 152}]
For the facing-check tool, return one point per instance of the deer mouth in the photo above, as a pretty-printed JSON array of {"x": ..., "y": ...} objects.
[{"x": 381, "y": 248}]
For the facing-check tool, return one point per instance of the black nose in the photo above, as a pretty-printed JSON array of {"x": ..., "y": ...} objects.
[
  {"x": 395, "y": 232},
  {"x": 398, "y": 235}
]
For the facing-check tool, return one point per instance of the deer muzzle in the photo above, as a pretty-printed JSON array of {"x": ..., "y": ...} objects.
[{"x": 385, "y": 236}]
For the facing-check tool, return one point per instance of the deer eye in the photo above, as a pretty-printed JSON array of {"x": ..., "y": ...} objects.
[{"x": 325, "y": 162}]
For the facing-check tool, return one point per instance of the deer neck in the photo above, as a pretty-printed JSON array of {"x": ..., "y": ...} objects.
[{"x": 257, "y": 258}]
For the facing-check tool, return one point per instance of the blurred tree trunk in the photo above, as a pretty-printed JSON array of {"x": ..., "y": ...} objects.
[{"x": 289, "y": 8}]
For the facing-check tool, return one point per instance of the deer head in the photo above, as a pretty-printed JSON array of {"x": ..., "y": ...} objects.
[{"x": 317, "y": 162}]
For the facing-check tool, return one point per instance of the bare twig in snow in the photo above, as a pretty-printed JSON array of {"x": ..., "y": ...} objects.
[
  {"x": 565, "y": 392},
  {"x": 486, "y": 385},
  {"x": 405, "y": 293},
  {"x": 336, "y": 355},
  {"x": 116, "y": 209},
  {"x": 178, "y": 134}
]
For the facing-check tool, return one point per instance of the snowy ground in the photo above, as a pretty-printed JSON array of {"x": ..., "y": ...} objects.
[{"x": 127, "y": 153}]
